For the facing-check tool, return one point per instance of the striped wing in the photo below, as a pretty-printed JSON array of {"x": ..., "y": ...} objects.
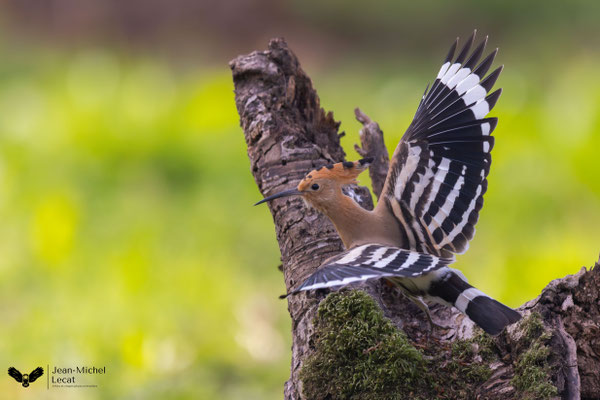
[
  {"x": 438, "y": 172},
  {"x": 371, "y": 261}
]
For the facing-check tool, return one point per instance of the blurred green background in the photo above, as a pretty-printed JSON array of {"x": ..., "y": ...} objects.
[{"x": 128, "y": 237}]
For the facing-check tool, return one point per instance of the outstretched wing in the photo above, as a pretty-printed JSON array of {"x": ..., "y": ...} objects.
[
  {"x": 12, "y": 371},
  {"x": 437, "y": 176},
  {"x": 36, "y": 373},
  {"x": 371, "y": 261}
]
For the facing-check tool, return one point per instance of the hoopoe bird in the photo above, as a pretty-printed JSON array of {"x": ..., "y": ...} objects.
[{"x": 430, "y": 201}]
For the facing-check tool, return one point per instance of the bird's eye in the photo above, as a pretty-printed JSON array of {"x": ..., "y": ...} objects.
[{"x": 315, "y": 186}]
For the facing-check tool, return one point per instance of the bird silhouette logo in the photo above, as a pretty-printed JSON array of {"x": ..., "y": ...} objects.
[{"x": 25, "y": 379}]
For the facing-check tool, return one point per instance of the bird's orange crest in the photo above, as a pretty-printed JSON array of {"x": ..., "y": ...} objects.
[{"x": 346, "y": 172}]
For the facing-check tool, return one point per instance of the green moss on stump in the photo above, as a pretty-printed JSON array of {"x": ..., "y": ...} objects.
[
  {"x": 463, "y": 367},
  {"x": 486, "y": 348},
  {"x": 532, "y": 371},
  {"x": 360, "y": 354}
]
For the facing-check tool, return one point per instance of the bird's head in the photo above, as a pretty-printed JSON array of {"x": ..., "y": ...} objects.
[{"x": 321, "y": 186}]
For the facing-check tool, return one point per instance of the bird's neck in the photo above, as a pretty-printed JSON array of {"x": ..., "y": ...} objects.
[{"x": 357, "y": 226}]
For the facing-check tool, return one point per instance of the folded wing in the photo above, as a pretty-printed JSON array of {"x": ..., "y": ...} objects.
[{"x": 371, "y": 261}]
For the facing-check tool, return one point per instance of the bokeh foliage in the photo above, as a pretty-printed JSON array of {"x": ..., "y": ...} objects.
[{"x": 128, "y": 238}]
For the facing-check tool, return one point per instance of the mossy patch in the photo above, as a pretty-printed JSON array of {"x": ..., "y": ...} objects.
[
  {"x": 360, "y": 354},
  {"x": 457, "y": 370},
  {"x": 532, "y": 370},
  {"x": 486, "y": 347}
]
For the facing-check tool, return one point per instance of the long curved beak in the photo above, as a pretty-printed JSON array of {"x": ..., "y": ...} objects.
[{"x": 285, "y": 193}]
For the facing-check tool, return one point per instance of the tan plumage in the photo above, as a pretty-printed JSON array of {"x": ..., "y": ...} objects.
[{"x": 354, "y": 224}]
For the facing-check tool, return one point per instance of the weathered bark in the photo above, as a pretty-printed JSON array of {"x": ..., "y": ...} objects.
[
  {"x": 288, "y": 134},
  {"x": 371, "y": 138}
]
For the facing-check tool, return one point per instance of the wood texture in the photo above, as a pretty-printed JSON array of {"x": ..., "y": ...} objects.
[{"x": 289, "y": 134}]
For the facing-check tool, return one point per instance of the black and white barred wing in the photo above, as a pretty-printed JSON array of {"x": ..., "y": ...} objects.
[
  {"x": 438, "y": 172},
  {"x": 371, "y": 261}
]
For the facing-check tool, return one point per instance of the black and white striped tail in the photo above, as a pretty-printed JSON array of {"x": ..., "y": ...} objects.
[{"x": 492, "y": 316}]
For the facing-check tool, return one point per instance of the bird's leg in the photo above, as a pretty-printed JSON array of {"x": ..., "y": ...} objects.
[
  {"x": 406, "y": 290},
  {"x": 425, "y": 308}
]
